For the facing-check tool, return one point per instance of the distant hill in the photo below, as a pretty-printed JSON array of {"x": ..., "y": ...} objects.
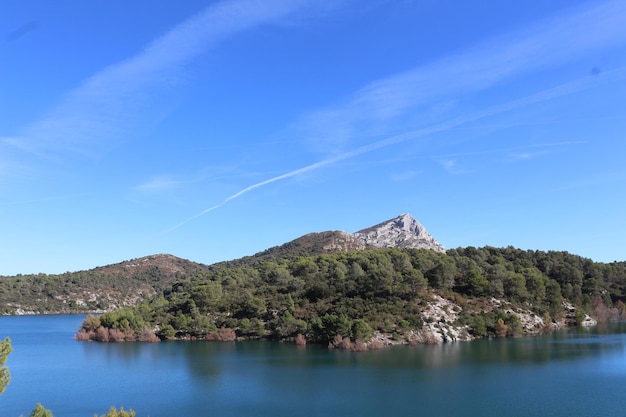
[
  {"x": 100, "y": 289},
  {"x": 372, "y": 297},
  {"x": 162, "y": 268},
  {"x": 109, "y": 287},
  {"x": 315, "y": 244},
  {"x": 388, "y": 283}
]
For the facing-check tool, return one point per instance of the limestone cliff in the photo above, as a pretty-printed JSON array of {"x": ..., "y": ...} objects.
[{"x": 400, "y": 232}]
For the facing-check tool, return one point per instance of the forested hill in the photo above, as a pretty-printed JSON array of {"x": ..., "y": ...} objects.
[
  {"x": 127, "y": 283},
  {"x": 333, "y": 287},
  {"x": 376, "y": 295},
  {"x": 316, "y": 243},
  {"x": 100, "y": 289}
]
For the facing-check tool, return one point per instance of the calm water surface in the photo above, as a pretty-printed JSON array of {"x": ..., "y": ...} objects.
[{"x": 582, "y": 373}]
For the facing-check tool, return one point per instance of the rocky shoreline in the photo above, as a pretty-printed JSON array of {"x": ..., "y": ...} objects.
[{"x": 441, "y": 324}]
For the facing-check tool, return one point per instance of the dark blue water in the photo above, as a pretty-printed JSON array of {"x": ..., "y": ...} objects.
[{"x": 582, "y": 373}]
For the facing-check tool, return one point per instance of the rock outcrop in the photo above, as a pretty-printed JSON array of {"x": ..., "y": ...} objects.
[{"x": 401, "y": 232}]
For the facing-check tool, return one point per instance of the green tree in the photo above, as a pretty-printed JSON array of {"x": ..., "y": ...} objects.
[
  {"x": 478, "y": 326},
  {"x": 333, "y": 324},
  {"x": 443, "y": 274},
  {"x": 535, "y": 284},
  {"x": 288, "y": 326},
  {"x": 5, "y": 376},
  {"x": 41, "y": 411},
  {"x": 361, "y": 330},
  {"x": 166, "y": 332},
  {"x": 477, "y": 283},
  {"x": 554, "y": 299},
  {"x": 114, "y": 413},
  {"x": 415, "y": 280},
  {"x": 515, "y": 287},
  {"x": 91, "y": 323}
]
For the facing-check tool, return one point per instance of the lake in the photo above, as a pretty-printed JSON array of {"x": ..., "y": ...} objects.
[{"x": 576, "y": 373}]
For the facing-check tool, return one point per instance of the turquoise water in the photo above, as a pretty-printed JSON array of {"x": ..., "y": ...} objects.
[{"x": 582, "y": 373}]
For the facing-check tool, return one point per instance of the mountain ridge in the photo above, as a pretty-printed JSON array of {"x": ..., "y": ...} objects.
[
  {"x": 127, "y": 283},
  {"x": 402, "y": 231}
]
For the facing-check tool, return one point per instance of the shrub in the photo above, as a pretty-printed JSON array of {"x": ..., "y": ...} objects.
[
  {"x": 361, "y": 330},
  {"x": 376, "y": 344},
  {"x": 501, "y": 328},
  {"x": 40, "y": 411},
  {"x": 116, "y": 335},
  {"x": 478, "y": 327},
  {"x": 114, "y": 413},
  {"x": 147, "y": 335},
  {"x": 102, "y": 334},
  {"x": 85, "y": 336},
  {"x": 359, "y": 346},
  {"x": 300, "y": 340},
  {"x": 226, "y": 334},
  {"x": 166, "y": 332}
]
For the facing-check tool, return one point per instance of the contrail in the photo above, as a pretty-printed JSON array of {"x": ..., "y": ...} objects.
[
  {"x": 260, "y": 184},
  {"x": 551, "y": 93}
]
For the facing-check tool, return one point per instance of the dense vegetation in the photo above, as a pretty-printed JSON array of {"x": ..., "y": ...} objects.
[
  {"x": 327, "y": 297},
  {"x": 41, "y": 411},
  {"x": 5, "y": 376},
  {"x": 98, "y": 289}
]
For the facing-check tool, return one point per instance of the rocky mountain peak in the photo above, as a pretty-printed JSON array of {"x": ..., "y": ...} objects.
[{"x": 400, "y": 232}]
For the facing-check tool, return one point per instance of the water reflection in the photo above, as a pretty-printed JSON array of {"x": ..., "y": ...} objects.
[
  {"x": 207, "y": 360},
  {"x": 537, "y": 350},
  {"x": 579, "y": 373}
]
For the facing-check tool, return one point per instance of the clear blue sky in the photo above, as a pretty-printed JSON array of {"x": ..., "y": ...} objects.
[{"x": 214, "y": 130}]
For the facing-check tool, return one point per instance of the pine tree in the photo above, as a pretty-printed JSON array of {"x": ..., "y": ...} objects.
[{"x": 5, "y": 376}]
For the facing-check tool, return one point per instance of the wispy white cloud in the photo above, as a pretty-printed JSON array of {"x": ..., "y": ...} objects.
[
  {"x": 516, "y": 153},
  {"x": 159, "y": 184},
  {"x": 127, "y": 96},
  {"x": 410, "y": 98},
  {"x": 449, "y": 164},
  {"x": 42, "y": 200},
  {"x": 167, "y": 183},
  {"x": 539, "y": 150},
  {"x": 560, "y": 143},
  {"x": 405, "y": 175},
  {"x": 526, "y": 155},
  {"x": 525, "y": 149},
  {"x": 611, "y": 177}
]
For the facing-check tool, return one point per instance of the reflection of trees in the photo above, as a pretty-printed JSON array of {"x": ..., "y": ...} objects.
[
  {"x": 203, "y": 358},
  {"x": 251, "y": 364},
  {"x": 199, "y": 357},
  {"x": 536, "y": 350},
  {"x": 127, "y": 353}
]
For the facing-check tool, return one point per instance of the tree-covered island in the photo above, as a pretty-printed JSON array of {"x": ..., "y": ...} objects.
[{"x": 372, "y": 297}]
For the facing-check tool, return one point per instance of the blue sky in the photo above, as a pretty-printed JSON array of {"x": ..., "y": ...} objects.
[{"x": 215, "y": 130}]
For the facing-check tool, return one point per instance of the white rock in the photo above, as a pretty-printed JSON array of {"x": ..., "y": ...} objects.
[{"x": 401, "y": 232}]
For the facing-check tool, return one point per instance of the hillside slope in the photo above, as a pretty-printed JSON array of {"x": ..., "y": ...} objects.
[
  {"x": 127, "y": 283},
  {"x": 100, "y": 289},
  {"x": 371, "y": 297}
]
